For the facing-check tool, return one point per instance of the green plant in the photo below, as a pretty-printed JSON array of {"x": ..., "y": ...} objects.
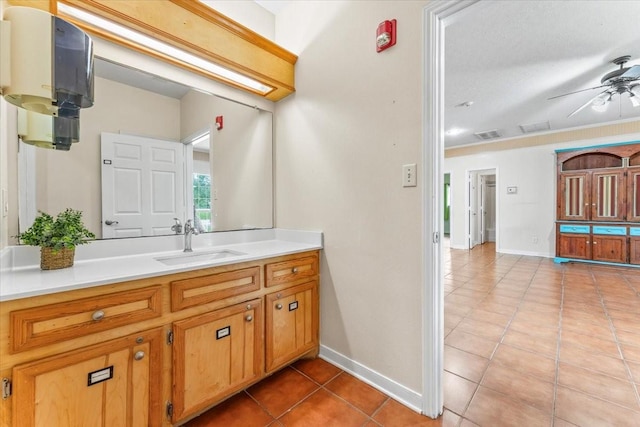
[{"x": 65, "y": 231}]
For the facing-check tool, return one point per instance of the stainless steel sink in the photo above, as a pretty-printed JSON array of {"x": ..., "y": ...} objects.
[{"x": 198, "y": 257}]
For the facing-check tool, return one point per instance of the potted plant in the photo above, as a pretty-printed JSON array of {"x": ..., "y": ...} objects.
[{"x": 57, "y": 238}]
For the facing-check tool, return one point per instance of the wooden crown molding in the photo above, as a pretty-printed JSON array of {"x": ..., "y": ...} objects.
[{"x": 193, "y": 27}]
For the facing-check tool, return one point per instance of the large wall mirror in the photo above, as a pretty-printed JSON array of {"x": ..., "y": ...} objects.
[{"x": 150, "y": 151}]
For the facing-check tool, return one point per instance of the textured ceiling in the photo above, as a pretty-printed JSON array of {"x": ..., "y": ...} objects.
[{"x": 509, "y": 57}]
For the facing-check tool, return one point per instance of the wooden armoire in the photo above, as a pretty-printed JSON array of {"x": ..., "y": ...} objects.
[{"x": 598, "y": 204}]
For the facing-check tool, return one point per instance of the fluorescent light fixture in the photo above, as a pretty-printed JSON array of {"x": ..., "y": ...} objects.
[
  {"x": 202, "y": 138},
  {"x": 163, "y": 48}
]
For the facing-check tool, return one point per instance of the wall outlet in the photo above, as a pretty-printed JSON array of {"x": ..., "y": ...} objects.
[{"x": 409, "y": 175}]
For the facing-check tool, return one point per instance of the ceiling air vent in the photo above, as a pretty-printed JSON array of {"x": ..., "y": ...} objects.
[
  {"x": 535, "y": 127},
  {"x": 489, "y": 134}
]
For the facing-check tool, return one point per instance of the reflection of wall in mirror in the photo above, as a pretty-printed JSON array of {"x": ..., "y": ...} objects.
[
  {"x": 72, "y": 179},
  {"x": 241, "y": 162}
]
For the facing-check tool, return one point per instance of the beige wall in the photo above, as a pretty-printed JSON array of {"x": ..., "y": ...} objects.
[
  {"x": 241, "y": 163},
  {"x": 341, "y": 141},
  {"x": 73, "y": 179}
]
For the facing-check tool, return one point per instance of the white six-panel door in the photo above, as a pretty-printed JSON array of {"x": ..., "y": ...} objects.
[{"x": 143, "y": 185}]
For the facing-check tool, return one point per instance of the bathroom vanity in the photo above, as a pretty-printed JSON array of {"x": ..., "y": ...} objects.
[{"x": 161, "y": 343}]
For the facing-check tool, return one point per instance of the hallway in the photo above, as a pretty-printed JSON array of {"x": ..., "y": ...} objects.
[{"x": 533, "y": 343}]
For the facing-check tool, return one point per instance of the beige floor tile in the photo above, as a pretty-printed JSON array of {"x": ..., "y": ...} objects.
[
  {"x": 598, "y": 385},
  {"x": 490, "y": 408},
  {"x": 526, "y": 362},
  {"x": 547, "y": 345},
  {"x": 471, "y": 343},
  {"x": 463, "y": 364},
  {"x": 584, "y": 410},
  {"x": 528, "y": 389},
  {"x": 457, "y": 392}
]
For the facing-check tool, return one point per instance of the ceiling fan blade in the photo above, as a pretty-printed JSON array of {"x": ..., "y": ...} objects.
[
  {"x": 632, "y": 73},
  {"x": 586, "y": 104},
  {"x": 578, "y": 91}
]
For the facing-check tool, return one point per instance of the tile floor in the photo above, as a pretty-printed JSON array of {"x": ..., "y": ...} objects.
[
  {"x": 532, "y": 343},
  {"x": 527, "y": 343},
  {"x": 311, "y": 393}
]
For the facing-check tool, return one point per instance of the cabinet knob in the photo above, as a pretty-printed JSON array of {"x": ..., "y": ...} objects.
[
  {"x": 98, "y": 315},
  {"x": 139, "y": 355},
  {"x": 278, "y": 306},
  {"x": 248, "y": 318},
  {"x": 248, "y": 306},
  {"x": 294, "y": 270}
]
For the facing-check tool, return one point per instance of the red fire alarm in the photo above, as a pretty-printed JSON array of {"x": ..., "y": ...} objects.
[
  {"x": 386, "y": 35},
  {"x": 219, "y": 124}
]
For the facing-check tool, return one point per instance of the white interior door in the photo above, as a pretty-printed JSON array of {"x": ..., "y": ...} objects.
[
  {"x": 472, "y": 209},
  {"x": 143, "y": 185},
  {"x": 483, "y": 212}
]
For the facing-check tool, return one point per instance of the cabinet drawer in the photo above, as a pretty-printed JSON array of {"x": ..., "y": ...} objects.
[
  {"x": 288, "y": 271},
  {"x": 581, "y": 229},
  {"x": 634, "y": 231},
  {"x": 213, "y": 287},
  {"x": 38, "y": 326},
  {"x": 612, "y": 231}
]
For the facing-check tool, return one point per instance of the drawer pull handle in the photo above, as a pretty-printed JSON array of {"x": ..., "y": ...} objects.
[
  {"x": 278, "y": 306},
  {"x": 248, "y": 318},
  {"x": 98, "y": 315},
  {"x": 139, "y": 355},
  {"x": 294, "y": 270}
]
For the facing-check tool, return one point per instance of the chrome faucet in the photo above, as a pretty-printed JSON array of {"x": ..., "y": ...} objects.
[{"x": 189, "y": 229}]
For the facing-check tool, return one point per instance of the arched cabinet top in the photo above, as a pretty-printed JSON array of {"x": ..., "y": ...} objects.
[{"x": 599, "y": 157}]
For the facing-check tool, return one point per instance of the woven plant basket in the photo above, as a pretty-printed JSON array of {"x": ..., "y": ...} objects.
[{"x": 51, "y": 259}]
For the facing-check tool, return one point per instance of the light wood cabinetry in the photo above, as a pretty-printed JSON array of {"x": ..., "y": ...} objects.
[
  {"x": 155, "y": 351},
  {"x": 215, "y": 354},
  {"x": 292, "y": 324},
  {"x": 108, "y": 384},
  {"x": 598, "y": 202},
  {"x": 37, "y": 326}
]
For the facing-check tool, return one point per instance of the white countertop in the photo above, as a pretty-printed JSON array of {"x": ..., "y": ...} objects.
[{"x": 21, "y": 276}]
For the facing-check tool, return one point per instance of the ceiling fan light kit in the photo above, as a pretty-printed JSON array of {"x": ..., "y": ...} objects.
[{"x": 620, "y": 81}]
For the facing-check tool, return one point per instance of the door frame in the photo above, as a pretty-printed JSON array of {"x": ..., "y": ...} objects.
[
  {"x": 474, "y": 231},
  {"x": 436, "y": 16}
]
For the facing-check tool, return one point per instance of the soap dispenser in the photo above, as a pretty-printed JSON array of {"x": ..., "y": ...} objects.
[{"x": 51, "y": 63}]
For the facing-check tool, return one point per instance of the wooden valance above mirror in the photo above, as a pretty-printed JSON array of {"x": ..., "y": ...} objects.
[{"x": 194, "y": 28}]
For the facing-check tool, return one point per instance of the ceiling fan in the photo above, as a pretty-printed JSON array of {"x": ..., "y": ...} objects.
[{"x": 620, "y": 81}]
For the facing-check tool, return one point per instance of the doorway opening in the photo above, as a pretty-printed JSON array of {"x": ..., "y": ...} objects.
[{"x": 481, "y": 215}]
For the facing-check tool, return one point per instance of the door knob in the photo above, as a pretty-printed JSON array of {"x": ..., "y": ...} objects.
[{"x": 109, "y": 222}]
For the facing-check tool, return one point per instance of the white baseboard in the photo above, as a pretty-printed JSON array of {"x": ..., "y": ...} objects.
[
  {"x": 526, "y": 253},
  {"x": 389, "y": 387}
]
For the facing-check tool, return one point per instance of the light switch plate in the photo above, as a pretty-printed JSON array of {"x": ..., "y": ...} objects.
[{"x": 409, "y": 175}]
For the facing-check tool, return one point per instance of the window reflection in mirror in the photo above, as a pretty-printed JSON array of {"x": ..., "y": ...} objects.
[{"x": 228, "y": 179}]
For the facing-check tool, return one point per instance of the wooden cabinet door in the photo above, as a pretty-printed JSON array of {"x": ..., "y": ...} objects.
[
  {"x": 609, "y": 248},
  {"x": 574, "y": 194},
  {"x": 214, "y": 355},
  {"x": 633, "y": 194},
  {"x": 292, "y": 324},
  {"x": 574, "y": 246},
  {"x": 634, "y": 250},
  {"x": 608, "y": 195},
  {"x": 112, "y": 384}
]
